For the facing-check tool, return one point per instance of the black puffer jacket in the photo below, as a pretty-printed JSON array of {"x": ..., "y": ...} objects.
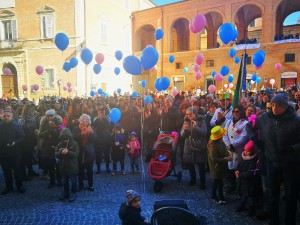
[
  {"x": 132, "y": 216},
  {"x": 281, "y": 137}
]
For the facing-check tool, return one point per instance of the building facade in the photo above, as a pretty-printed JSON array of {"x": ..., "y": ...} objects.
[{"x": 259, "y": 25}]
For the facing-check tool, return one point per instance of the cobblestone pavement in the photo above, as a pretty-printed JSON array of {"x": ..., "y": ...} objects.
[{"x": 40, "y": 205}]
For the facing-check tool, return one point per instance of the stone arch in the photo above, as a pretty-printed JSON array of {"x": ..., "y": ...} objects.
[
  {"x": 283, "y": 10},
  {"x": 214, "y": 20},
  {"x": 144, "y": 36},
  {"x": 180, "y": 35},
  {"x": 248, "y": 21}
]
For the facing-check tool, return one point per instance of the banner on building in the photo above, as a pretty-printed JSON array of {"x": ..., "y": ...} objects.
[{"x": 289, "y": 75}]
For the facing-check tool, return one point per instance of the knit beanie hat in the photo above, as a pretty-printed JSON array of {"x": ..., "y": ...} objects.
[
  {"x": 249, "y": 147},
  {"x": 132, "y": 196},
  {"x": 281, "y": 99}
]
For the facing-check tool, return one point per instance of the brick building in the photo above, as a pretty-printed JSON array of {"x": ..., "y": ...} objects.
[{"x": 262, "y": 20}]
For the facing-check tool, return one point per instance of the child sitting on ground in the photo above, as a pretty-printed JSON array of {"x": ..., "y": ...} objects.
[{"x": 134, "y": 151}]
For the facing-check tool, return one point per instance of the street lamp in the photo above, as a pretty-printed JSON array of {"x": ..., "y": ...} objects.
[{"x": 59, "y": 83}]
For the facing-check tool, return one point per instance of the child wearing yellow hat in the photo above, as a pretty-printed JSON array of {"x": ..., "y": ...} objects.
[{"x": 217, "y": 159}]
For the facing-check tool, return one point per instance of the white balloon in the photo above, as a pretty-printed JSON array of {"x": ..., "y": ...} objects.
[
  {"x": 252, "y": 81},
  {"x": 225, "y": 85},
  {"x": 272, "y": 81}
]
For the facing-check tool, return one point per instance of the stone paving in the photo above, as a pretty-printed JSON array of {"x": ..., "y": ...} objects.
[{"x": 40, "y": 205}]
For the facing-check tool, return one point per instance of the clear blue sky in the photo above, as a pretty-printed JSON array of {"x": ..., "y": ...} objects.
[
  {"x": 164, "y": 2},
  {"x": 292, "y": 18}
]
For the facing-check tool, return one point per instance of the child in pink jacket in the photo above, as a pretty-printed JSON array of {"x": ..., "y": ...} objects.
[{"x": 134, "y": 151}]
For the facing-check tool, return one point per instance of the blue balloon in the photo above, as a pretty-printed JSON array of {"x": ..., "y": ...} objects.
[
  {"x": 149, "y": 57},
  {"x": 147, "y": 99},
  {"x": 66, "y": 66},
  {"x": 232, "y": 52},
  {"x": 213, "y": 73},
  {"x": 92, "y": 93},
  {"x": 61, "y": 41},
  {"x": 132, "y": 65},
  {"x": 119, "y": 90},
  {"x": 159, "y": 33},
  {"x": 262, "y": 51},
  {"x": 235, "y": 35},
  {"x": 100, "y": 91},
  {"x": 254, "y": 77},
  {"x": 117, "y": 70},
  {"x": 115, "y": 115},
  {"x": 185, "y": 69},
  {"x": 224, "y": 70},
  {"x": 258, "y": 59},
  {"x": 97, "y": 68},
  {"x": 144, "y": 83},
  {"x": 164, "y": 83},
  {"x": 171, "y": 58},
  {"x": 86, "y": 56},
  {"x": 134, "y": 94},
  {"x": 73, "y": 62},
  {"x": 237, "y": 60},
  {"x": 226, "y": 32},
  {"x": 258, "y": 79},
  {"x": 230, "y": 78},
  {"x": 157, "y": 84},
  {"x": 118, "y": 55}
]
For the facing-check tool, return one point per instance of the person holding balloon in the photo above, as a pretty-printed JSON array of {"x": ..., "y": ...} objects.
[
  {"x": 118, "y": 149},
  {"x": 223, "y": 113},
  {"x": 86, "y": 139}
]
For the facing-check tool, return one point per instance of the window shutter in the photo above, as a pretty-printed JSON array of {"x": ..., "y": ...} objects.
[
  {"x": 2, "y": 32},
  {"x": 49, "y": 26},
  {"x": 14, "y": 30}
]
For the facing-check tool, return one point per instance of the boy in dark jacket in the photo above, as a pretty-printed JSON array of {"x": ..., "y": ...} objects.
[
  {"x": 67, "y": 153},
  {"x": 130, "y": 213}
]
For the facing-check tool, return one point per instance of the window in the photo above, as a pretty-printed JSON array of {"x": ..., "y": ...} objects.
[
  {"x": 249, "y": 60},
  {"x": 210, "y": 63},
  {"x": 103, "y": 31},
  {"x": 178, "y": 65},
  {"x": 289, "y": 57},
  {"x": 8, "y": 29},
  {"x": 47, "y": 26},
  {"x": 49, "y": 78},
  {"x": 46, "y": 15}
]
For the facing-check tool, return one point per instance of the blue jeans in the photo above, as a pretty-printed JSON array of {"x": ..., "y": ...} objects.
[
  {"x": 134, "y": 162},
  {"x": 73, "y": 180}
]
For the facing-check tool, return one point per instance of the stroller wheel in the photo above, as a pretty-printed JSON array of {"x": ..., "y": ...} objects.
[
  {"x": 157, "y": 186},
  {"x": 179, "y": 176}
]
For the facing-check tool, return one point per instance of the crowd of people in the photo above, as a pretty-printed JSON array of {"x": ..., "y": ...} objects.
[
  {"x": 284, "y": 37},
  {"x": 250, "y": 148}
]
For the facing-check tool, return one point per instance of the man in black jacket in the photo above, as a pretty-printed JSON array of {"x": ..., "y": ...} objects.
[
  {"x": 281, "y": 131},
  {"x": 11, "y": 136}
]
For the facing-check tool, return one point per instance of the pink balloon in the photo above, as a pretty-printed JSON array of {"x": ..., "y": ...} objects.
[
  {"x": 70, "y": 89},
  {"x": 199, "y": 58},
  {"x": 99, "y": 58},
  {"x": 198, "y": 75},
  {"x": 191, "y": 27},
  {"x": 212, "y": 88},
  {"x": 36, "y": 87},
  {"x": 174, "y": 92},
  {"x": 6, "y": 71},
  {"x": 218, "y": 77},
  {"x": 148, "y": 46},
  {"x": 231, "y": 85},
  {"x": 196, "y": 68},
  {"x": 69, "y": 84},
  {"x": 65, "y": 88},
  {"x": 278, "y": 66},
  {"x": 152, "y": 69},
  {"x": 25, "y": 88},
  {"x": 39, "y": 70},
  {"x": 199, "y": 22}
]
